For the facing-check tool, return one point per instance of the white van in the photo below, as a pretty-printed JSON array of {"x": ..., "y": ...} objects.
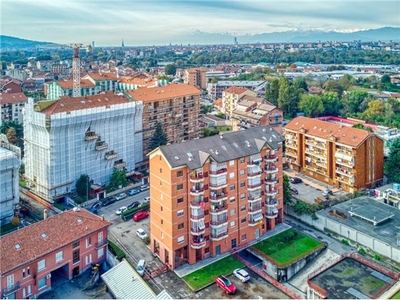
[{"x": 141, "y": 266}]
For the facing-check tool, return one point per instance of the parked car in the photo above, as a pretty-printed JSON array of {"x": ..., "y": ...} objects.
[
  {"x": 121, "y": 210},
  {"x": 141, "y": 267},
  {"x": 133, "y": 204},
  {"x": 146, "y": 199},
  {"x": 133, "y": 192},
  {"x": 120, "y": 196},
  {"x": 95, "y": 205},
  {"x": 294, "y": 191},
  {"x": 108, "y": 201},
  {"x": 242, "y": 275},
  {"x": 144, "y": 187},
  {"x": 141, "y": 233},
  {"x": 140, "y": 215},
  {"x": 295, "y": 180},
  {"x": 225, "y": 284},
  {"x": 327, "y": 192},
  {"x": 94, "y": 210}
]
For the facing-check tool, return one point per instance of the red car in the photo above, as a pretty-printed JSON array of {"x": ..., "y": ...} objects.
[
  {"x": 140, "y": 215},
  {"x": 225, "y": 284}
]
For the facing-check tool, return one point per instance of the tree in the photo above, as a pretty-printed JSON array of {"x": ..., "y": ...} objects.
[
  {"x": 170, "y": 69},
  {"x": 159, "y": 138},
  {"x": 301, "y": 84},
  {"x": 287, "y": 194},
  {"x": 83, "y": 186},
  {"x": 272, "y": 93},
  {"x": 118, "y": 178},
  {"x": 332, "y": 105},
  {"x": 376, "y": 108},
  {"x": 361, "y": 126},
  {"x": 12, "y": 136},
  {"x": 334, "y": 86},
  {"x": 392, "y": 165},
  {"x": 312, "y": 105},
  {"x": 353, "y": 102}
]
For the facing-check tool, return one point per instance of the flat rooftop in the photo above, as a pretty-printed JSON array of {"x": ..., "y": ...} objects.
[{"x": 371, "y": 214}]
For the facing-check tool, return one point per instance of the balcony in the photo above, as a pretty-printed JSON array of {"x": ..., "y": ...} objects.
[
  {"x": 91, "y": 136},
  {"x": 218, "y": 236},
  {"x": 101, "y": 244},
  {"x": 197, "y": 190},
  {"x": 218, "y": 172},
  {"x": 254, "y": 198},
  {"x": 110, "y": 155},
  {"x": 218, "y": 196},
  {"x": 101, "y": 146},
  {"x": 345, "y": 163},
  {"x": 291, "y": 154},
  {"x": 340, "y": 152},
  {"x": 254, "y": 208},
  {"x": 293, "y": 146},
  {"x": 11, "y": 289},
  {"x": 254, "y": 174},
  {"x": 271, "y": 181},
  {"x": 344, "y": 172},
  {"x": 271, "y": 203},
  {"x": 271, "y": 169},
  {"x": 198, "y": 216},
  {"x": 272, "y": 214},
  {"x": 199, "y": 229},
  {"x": 198, "y": 244},
  {"x": 270, "y": 158},
  {"x": 218, "y": 209},
  {"x": 219, "y": 222},
  {"x": 254, "y": 185},
  {"x": 119, "y": 164},
  {"x": 196, "y": 177},
  {"x": 217, "y": 185},
  {"x": 196, "y": 203},
  {"x": 271, "y": 192},
  {"x": 345, "y": 180}
]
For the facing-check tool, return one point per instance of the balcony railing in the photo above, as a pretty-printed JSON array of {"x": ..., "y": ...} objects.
[
  {"x": 218, "y": 236},
  {"x": 198, "y": 245},
  {"x": 345, "y": 172},
  {"x": 197, "y": 230},
  {"x": 101, "y": 146},
  {"x": 346, "y": 152},
  {"x": 11, "y": 289},
  {"x": 219, "y": 221},
  {"x": 218, "y": 185},
  {"x": 198, "y": 216},
  {"x": 196, "y": 177},
  {"x": 254, "y": 185},
  {"x": 271, "y": 192},
  {"x": 254, "y": 197},
  {"x": 252, "y": 174},
  {"x": 272, "y": 202},
  {"x": 109, "y": 156},
  {"x": 196, "y": 204},
  {"x": 120, "y": 165},
  {"x": 218, "y": 196},
  {"x": 219, "y": 171},
  {"x": 271, "y": 214},
  {"x": 254, "y": 208},
  {"x": 218, "y": 209},
  {"x": 291, "y": 146},
  {"x": 270, "y": 158},
  {"x": 271, "y": 180},
  {"x": 345, "y": 163},
  {"x": 91, "y": 136},
  {"x": 101, "y": 244},
  {"x": 271, "y": 170},
  {"x": 197, "y": 189}
]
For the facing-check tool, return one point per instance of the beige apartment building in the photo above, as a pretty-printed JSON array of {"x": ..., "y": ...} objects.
[
  {"x": 348, "y": 158},
  {"x": 175, "y": 106},
  {"x": 214, "y": 194},
  {"x": 196, "y": 77},
  {"x": 231, "y": 97}
]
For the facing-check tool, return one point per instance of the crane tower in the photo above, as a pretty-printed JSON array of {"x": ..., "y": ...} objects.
[{"x": 76, "y": 70}]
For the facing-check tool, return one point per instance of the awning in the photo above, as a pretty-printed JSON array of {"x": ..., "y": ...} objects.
[
  {"x": 344, "y": 156},
  {"x": 275, "y": 210},
  {"x": 256, "y": 157},
  {"x": 257, "y": 217}
]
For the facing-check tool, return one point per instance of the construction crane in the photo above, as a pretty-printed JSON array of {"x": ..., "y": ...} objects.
[{"x": 76, "y": 69}]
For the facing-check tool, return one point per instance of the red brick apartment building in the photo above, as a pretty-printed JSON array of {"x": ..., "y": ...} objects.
[
  {"x": 346, "y": 157},
  {"x": 66, "y": 244},
  {"x": 214, "y": 194}
]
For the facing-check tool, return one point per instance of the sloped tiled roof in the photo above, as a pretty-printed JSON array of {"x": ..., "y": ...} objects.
[
  {"x": 345, "y": 135},
  {"x": 163, "y": 92},
  {"x": 235, "y": 90},
  {"x": 69, "y": 84},
  {"x": 103, "y": 76},
  {"x": 67, "y": 103},
  {"x": 6, "y": 98},
  {"x": 60, "y": 230}
]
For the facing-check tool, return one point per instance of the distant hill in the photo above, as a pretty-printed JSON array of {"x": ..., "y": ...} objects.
[{"x": 13, "y": 43}]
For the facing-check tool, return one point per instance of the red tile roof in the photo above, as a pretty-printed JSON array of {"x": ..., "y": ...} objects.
[
  {"x": 6, "y": 98},
  {"x": 69, "y": 84},
  {"x": 67, "y": 103},
  {"x": 235, "y": 90},
  {"x": 344, "y": 135},
  {"x": 60, "y": 230},
  {"x": 103, "y": 76},
  {"x": 163, "y": 92}
]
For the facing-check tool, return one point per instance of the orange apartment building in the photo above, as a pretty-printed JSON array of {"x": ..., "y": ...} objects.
[
  {"x": 175, "y": 106},
  {"x": 196, "y": 77},
  {"x": 62, "y": 245},
  {"x": 231, "y": 97},
  {"x": 346, "y": 157},
  {"x": 214, "y": 194}
]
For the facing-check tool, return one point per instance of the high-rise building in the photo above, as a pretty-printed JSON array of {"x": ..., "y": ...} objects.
[
  {"x": 88, "y": 135},
  {"x": 214, "y": 194},
  {"x": 348, "y": 158},
  {"x": 196, "y": 77}
]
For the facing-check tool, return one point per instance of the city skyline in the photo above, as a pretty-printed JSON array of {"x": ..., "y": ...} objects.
[{"x": 164, "y": 22}]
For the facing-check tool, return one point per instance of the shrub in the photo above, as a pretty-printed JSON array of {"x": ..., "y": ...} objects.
[
  {"x": 117, "y": 251},
  {"x": 59, "y": 206},
  {"x": 377, "y": 257},
  {"x": 345, "y": 242},
  {"x": 15, "y": 221},
  {"x": 362, "y": 251}
]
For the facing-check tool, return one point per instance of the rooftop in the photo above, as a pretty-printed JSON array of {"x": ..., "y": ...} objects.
[
  {"x": 163, "y": 92},
  {"x": 6, "y": 98},
  {"x": 41, "y": 238}
]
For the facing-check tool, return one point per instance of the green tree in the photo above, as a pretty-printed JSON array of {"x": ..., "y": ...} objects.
[
  {"x": 83, "y": 186},
  {"x": 16, "y": 133},
  {"x": 312, "y": 105},
  {"x": 361, "y": 126},
  {"x": 272, "y": 92},
  {"x": 376, "y": 108},
  {"x": 392, "y": 165},
  {"x": 353, "y": 102},
  {"x": 334, "y": 86},
  {"x": 288, "y": 97},
  {"x": 159, "y": 137},
  {"x": 170, "y": 69},
  {"x": 301, "y": 84},
  {"x": 118, "y": 178},
  {"x": 287, "y": 194},
  {"x": 332, "y": 104}
]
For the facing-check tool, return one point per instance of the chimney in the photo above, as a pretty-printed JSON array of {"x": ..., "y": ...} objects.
[{"x": 45, "y": 214}]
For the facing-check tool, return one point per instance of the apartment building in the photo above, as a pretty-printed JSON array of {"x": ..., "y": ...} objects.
[
  {"x": 214, "y": 194},
  {"x": 253, "y": 112},
  {"x": 133, "y": 83},
  {"x": 175, "y": 106},
  {"x": 348, "y": 158},
  {"x": 103, "y": 81},
  {"x": 196, "y": 77},
  {"x": 215, "y": 90},
  {"x": 56, "y": 89},
  {"x": 10, "y": 161},
  {"x": 63, "y": 245},
  {"x": 11, "y": 106},
  {"x": 89, "y": 135},
  {"x": 230, "y": 98}
]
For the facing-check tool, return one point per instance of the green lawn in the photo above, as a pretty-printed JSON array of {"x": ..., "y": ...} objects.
[
  {"x": 288, "y": 246},
  {"x": 396, "y": 296},
  {"x": 207, "y": 275}
]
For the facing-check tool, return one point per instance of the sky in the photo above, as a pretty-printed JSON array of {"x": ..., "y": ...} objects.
[{"x": 155, "y": 22}]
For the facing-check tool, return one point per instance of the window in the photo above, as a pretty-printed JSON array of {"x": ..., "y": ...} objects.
[
  {"x": 160, "y": 183},
  {"x": 23, "y": 292},
  {"x": 179, "y": 186},
  {"x": 243, "y": 207},
  {"x": 180, "y": 226},
  {"x": 243, "y": 220},
  {"x": 232, "y": 187},
  {"x": 75, "y": 256},
  {"x": 242, "y": 172},
  {"x": 179, "y": 173},
  {"x": 75, "y": 245},
  {"x": 161, "y": 208},
  {"x": 29, "y": 289},
  {"x": 26, "y": 272},
  {"x": 88, "y": 242},
  {"x": 232, "y": 175},
  {"x": 242, "y": 195},
  {"x": 59, "y": 256},
  {"x": 162, "y": 222},
  {"x": 243, "y": 237},
  {"x": 89, "y": 259},
  {"x": 181, "y": 239},
  {"x": 160, "y": 170},
  {"x": 232, "y": 199},
  {"x": 242, "y": 184},
  {"x": 100, "y": 252},
  {"x": 232, "y": 163},
  {"x": 180, "y": 200},
  {"x": 241, "y": 160},
  {"x": 42, "y": 283},
  {"x": 233, "y": 211},
  {"x": 233, "y": 223},
  {"x": 180, "y": 213},
  {"x": 41, "y": 265}
]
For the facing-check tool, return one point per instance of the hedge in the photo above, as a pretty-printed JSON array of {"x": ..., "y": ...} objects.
[
  {"x": 129, "y": 213},
  {"x": 117, "y": 251}
]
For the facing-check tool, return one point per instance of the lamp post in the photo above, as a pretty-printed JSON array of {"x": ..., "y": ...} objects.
[{"x": 87, "y": 190}]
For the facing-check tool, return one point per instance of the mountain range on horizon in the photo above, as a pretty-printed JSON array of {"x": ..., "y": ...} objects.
[{"x": 198, "y": 37}]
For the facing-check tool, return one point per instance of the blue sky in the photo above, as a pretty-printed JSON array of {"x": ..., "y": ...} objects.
[{"x": 154, "y": 22}]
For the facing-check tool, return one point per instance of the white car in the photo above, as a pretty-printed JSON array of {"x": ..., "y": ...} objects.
[
  {"x": 141, "y": 266},
  {"x": 146, "y": 199},
  {"x": 141, "y": 233},
  {"x": 120, "y": 196},
  {"x": 121, "y": 210},
  {"x": 242, "y": 275}
]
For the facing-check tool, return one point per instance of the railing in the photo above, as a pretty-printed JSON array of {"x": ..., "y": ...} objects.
[
  {"x": 254, "y": 173},
  {"x": 345, "y": 173},
  {"x": 197, "y": 230},
  {"x": 254, "y": 208},
  {"x": 254, "y": 197},
  {"x": 101, "y": 244},
  {"x": 271, "y": 180},
  {"x": 198, "y": 245},
  {"x": 120, "y": 165},
  {"x": 345, "y": 163},
  {"x": 271, "y": 192},
  {"x": 91, "y": 137},
  {"x": 218, "y": 222},
  {"x": 348, "y": 153},
  {"x": 254, "y": 162},
  {"x": 254, "y": 185},
  {"x": 218, "y": 172},
  {"x": 272, "y": 202},
  {"x": 271, "y": 214},
  {"x": 196, "y": 203},
  {"x": 218, "y": 196},
  {"x": 197, "y": 217},
  {"x": 110, "y": 156},
  {"x": 218, "y": 209},
  {"x": 197, "y": 189},
  {"x": 271, "y": 169},
  {"x": 270, "y": 157},
  {"x": 219, "y": 235},
  {"x": 101, "y": 147},
  {"x": 11, "y": 289},
  {"x": 197, "y": 176},
  {"x": 292, "y": 145},
  {"x": 216, "y": 185}
]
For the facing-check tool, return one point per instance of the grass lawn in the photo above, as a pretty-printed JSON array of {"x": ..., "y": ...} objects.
[
  {"x": 288, "y": 246},
  {"x": 207, "y": 275},
  {"x": 224, "y": 128},
  {"x": 6, "y": 228},
  {"x": 396, "y": 296}
]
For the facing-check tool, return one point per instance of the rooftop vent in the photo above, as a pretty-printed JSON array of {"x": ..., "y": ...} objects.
[
  {"x": 17, "y": 247},
  {"x": 216, "y": 152},
  {"x": 247, "y": 143},
  {"x": 79, "y": 221},
  {"x": 176, "y": 157},
  {"x": 43, "y": 235}
]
